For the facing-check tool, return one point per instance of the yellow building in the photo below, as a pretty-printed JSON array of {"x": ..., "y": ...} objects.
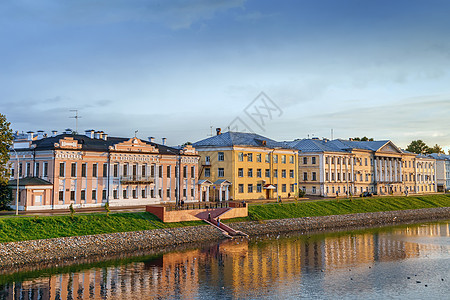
[{"x": 243, "y": 166}]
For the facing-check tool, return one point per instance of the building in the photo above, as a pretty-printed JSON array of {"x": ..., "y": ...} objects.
[
  {"x": 442, "y": 171},
  {"x": 344, "y": 167},
  {"x": 92, "y": 169},
  {"x": 243, "y": 166}
]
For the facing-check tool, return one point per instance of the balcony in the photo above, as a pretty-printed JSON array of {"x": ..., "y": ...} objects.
[
  {"x": 136, "y": 179},
  {"x": 206, "y": 163}
]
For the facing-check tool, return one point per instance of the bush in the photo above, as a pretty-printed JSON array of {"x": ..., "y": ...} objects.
[
  {"x": 5, "y": 197},
  {"x": 301, "y": 193}
]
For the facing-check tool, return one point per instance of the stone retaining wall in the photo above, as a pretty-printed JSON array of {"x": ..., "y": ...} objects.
[{"x": 74, "y": 248}]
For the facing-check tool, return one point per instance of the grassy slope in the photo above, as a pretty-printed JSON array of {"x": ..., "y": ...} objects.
[
  {"x": 344, "y": 206},
  {"x": 31, "y": 228}
]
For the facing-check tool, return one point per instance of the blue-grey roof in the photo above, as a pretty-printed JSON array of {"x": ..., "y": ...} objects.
[
  {"x": 230, "y": 138},
  {"x": 313, "y": 145},
  {"x": 365, "y": 145},
  {"x": 439, "y": 156}
]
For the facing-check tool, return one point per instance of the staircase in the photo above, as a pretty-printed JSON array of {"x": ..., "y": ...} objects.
[{"x": 211, "y": 216}]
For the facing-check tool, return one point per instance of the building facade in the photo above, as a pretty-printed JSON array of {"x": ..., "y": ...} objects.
[
  {"x": 442, "y": 171},
  {"x": 341, "y": 167},
  {"x": 92, "y": 169},
  {"x": 242, "y": 166}
]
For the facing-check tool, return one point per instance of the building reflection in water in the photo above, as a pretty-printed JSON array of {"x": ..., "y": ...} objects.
[{"x": 234, "y": 265}]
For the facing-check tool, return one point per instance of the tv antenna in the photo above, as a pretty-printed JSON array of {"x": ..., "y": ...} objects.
[{"x": 76, "y": 117}]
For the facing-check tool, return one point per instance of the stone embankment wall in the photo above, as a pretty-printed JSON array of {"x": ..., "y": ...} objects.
[{"x": 102, "y": 245}]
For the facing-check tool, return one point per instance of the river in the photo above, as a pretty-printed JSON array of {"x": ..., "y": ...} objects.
[{"x": 406, "y": 262}]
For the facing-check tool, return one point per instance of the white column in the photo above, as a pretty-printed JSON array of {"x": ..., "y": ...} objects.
[
  {"x": 376, "y": 171},
  {"x": 201, "y": 193},
  {"x": 227, "y": 191},
  {"x": 352, "y": 161},
  {"x": 395, "y": 170},
  {"x": 207, "y": 194},
  {"x": 220, "y": 193}
]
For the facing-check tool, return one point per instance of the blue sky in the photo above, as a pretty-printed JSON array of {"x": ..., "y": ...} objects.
[{"x": 175, "y": 68}]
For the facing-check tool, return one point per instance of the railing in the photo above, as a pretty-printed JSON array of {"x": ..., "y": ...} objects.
[
  {"x": 198, "y": 205},
  {"x": 136, "y": 179}
]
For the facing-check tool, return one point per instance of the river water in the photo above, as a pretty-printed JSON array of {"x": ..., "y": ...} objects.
[{"x": 405, "y": 262}]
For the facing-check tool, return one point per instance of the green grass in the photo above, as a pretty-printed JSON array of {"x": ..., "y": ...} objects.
[
  {"x": 44, "y": 227},
  {"x": 343, "y": 206}
]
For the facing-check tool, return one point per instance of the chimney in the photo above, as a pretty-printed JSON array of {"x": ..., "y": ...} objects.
[
  {"x": 105, "y": 136},
  {"x": 54, "y": 132},
  {"x": 218, "y": 131},
  {"x": 89, "y": 133},
  {"x": 350, "y": 139},
  {"x": 68, "y": 131},
  {"x": 151, "y": 139},
  {"x": 164, "y": 141},
  {"x": 40, "y": 134},
  {"x": 100, "y": 135},
  {"x": 30, "y": 135},
  {"x": 97, "y": 134}
]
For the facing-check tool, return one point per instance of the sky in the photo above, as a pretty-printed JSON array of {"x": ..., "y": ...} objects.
[{"x": 180, "y": 69}]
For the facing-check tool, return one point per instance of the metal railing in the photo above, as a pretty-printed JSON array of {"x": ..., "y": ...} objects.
[
  {"x": 198, "y": 205},
  {"x": 135, "y": 179}
]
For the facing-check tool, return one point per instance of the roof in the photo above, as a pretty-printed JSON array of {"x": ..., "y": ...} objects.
[
  {"x": 94, "y": 144},
  {"x": 27, "y": 181},
  {"x": 229, "y": 139},
  {"x": 338, "y": 145},
  {"x": 440, "y": 156}
]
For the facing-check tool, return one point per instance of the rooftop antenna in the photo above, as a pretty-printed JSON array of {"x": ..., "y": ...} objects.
[
  {"x": 76, "y": 117},
  {"x": 211, "y": 127},
  {"x": 135, "y": 133},
  {"x": 331, "y": 133}
]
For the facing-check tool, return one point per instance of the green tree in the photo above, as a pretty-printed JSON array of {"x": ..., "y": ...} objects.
[
  {"x": 418, "y": 147},
  {"x": 6, "y": 139},
  {"x": 436, "y": 149},
  {"x": 363, "y": 139}
]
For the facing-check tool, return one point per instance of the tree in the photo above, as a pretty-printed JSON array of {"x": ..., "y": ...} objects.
[
  {"x": 363, "y": 139},
  {"x": 6, "y": 139},
  {"x": 418, "y": 147},
  {"x": 436, "y": 149}
]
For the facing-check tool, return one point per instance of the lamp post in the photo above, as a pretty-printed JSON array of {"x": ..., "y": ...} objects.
[{"x": 17, "y": 187}]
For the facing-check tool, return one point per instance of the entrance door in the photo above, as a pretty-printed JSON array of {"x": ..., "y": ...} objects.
[{"x": 267, "y": 194}]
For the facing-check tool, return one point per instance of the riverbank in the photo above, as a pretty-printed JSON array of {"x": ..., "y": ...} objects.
[{"x": 16, "y": 254}]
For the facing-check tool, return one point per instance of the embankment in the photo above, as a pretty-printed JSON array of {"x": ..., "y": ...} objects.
[{"x": 15, "y": 254}]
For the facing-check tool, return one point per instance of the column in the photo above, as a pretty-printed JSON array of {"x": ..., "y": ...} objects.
[
  {"x": 375, "y": 167},
  {"x": 220, "y": 193},
  {"x": 207, "y": 194},
  {"x": 396, "y": 170},
  {"x": 201, "y": 193},
  {"x": 227, "y": 191}
]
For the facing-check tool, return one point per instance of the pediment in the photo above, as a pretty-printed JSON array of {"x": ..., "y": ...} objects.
[
  {"x": 135, "y": 145},
  {"x": 389, "y": 147}
]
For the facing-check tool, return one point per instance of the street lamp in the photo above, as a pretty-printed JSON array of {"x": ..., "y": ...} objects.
[{"x": 17, "y": 187}]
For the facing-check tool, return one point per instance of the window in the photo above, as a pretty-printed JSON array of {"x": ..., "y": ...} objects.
[
  {"x": 83, "y": 170},
  {"x": 275, "y": 173},
  {"x": 250, "y": 188},
  {"x": 332, "y": 160},
  {"x": 152, "y": 193},
  {"x": 168, "y": 172},
  {"x": 314, "y": 177},
  {"x": 61, "y": 169},
  {"x": 61, "y": 195},
  {"x": 305, "y": 160},
  {"x": 258, "y": 157},
  {"x": 184, "y": 171},
  {"x": 313, "y": 160},
  {"x": 134, "y": 193},
  {"x": 338, "y": 176},
  {"x": 367, "y": 177},
  {"x": 125, "y": 194},
  {"x": 338, "y": 160},
  {"x": 221, "y": 172},
  {"x": 291, "y": 188},
  {"x": 283, "y": 159},
  {"x": 313, "y": 189},
  {"x": 305, "y": 176},
  {"x": 134, "y": 171},
  {"x": 105, "y": 170},
  {"x": 45, "y": 169},
  {"x": 115, "y": 170},
  {"x": 326, "y": 160},
  {"x": 83, "y": 194},
  {"x": 220, "y": 156},
  {"x": 73, "y": 170},
  {"x": 28, "y": 169},
  {"x": 143, "y": 193},
  {"x": 250, "y": 172},
  {"x": 327, "y": 177},
  {"x": 267, "y": 172},
  {"x": 258, "y": 173},
  {"x": 275, "y": 159},
  {"x": 207, "y": 172},
  {"x": 343, "y": 176},
  {"x": 12, "y": 173},
  {"x": 160, "y": 171},
  {"x": 192, "y": 172},
  {"x": 259, "y": 188},
  {"x": 283, "y": 188},
  {"x": 250, "y": 157},
  {"x": 104, "y": 194},
  {"x": 94, "y": 170},
  {"x": 283, "y": 173},
  {"x": 241, "y": 172},
  {"x": 20, "y": 169},
  {"x": 291, "y": 159},
  {"x": 72, "y": 195},
  {"x": 159, "y": 193},
  {"x": 184, "y": 193},
  {"x": 176, "y": 171},
  {"x": 332, "y": 176},
  {"x": 36, "y": 169},
  {"x": 365, "y": 161},
  {"x": 152, "y": 171},
  {"x": 291, "y": 173},
  {"x": 240, "y": 156},
  {"x": 267, "y": 158},
  {"x": 125, "y": 170},
  {"x": 94, "y": 194},
  {"x": 143, "y": 170},
  {"x": 207, "y": 160},
  {"x": 192, "y": 193},
  {"x": 240, "y": 188}
]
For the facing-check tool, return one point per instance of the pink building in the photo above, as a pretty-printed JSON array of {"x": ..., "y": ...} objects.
[{"x": 92, "y": 169}]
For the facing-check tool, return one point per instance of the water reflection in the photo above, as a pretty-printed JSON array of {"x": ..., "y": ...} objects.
[{"x": 291, "y": 266}]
